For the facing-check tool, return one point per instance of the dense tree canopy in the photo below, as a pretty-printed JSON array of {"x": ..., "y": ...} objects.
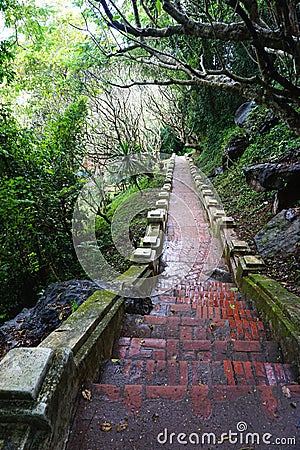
[
  {"x": 57, "y": 125},
  {"x": 65, "y": 114},
  {"x": 250, "y": 48},
  {"x": 42, "y": 119}
]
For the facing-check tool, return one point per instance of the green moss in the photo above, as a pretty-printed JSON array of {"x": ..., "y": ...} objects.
[
  {"x": 99, "y": 300},
  {"x": 279, "y": 307},
  {"x": 95, "y": 305},
  {"x": 211, "y": 156},
  {"x": 238, "y": 198}
]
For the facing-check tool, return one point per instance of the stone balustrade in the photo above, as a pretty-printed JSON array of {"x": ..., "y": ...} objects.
[
  {"x": 39, "y": 386},
  {"x": 279, "y": 308},
  {"x": 150, "y": 247}
]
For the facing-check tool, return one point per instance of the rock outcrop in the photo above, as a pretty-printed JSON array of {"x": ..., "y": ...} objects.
[
  {"x": 269, "y": 177},
  {"x": 32, "y": 325},
  {"x": 234, "y": 149},
  {"x": 281, "y": 235},
  {"x": 252, "y": 122},
  {"x": 256, "y": 121},
  {"x": 242, "y": 113},
  {"x": 282, "y": 176}
]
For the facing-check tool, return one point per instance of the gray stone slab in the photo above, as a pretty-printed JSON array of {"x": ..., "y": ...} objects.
[
  {"x": 227, "y": 222},
  {"x": 22, "y": 372},
  {"x": 211, "y": 202},
  {"x": 238, "y": 246},
  {"x": 150, "y": 240},
  {"x": 207, "y": 192},
  {"x": 142, "y": 252},
  {"x": 144, "y": 255},
  {"x": 163, "y": 194},
  {"x": 162, "y": 204},
  {"x": 153, "y": 230},
  {"x": 156, "y": 216}
]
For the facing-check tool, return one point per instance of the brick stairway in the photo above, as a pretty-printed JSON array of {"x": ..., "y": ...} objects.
[{"x": 202, "y": 350}]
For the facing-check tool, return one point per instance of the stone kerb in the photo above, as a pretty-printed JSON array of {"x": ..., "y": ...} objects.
[
  {"x": 145, "y": 255},
  {"x": 163, "y": 195},
  {"x": 222, "y": 226},
  {"x": 162, "y": 204},
  {"x": 233, "y": 250},
  {"x": 280, "y": 308},
  {"x": 167, "y": 187},
  {"x": 216, "y": 214},
  {"x": 150, "y": 246},
  {"x": 153, "y": 242}
]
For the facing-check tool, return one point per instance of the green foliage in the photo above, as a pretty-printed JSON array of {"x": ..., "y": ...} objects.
[
  {"x": 137, "y": 226},
  {"x": 40, "y": 159},
  {"x": 126, "y": 162},
  {"x": 264, "y": 146},
  {"x": 74, "y": 306},
  {"x": 213, "y": 143},
  {"x": 237, "y": 196},
  {"x": 198, "y": 46},
  {"x": 6, "y": 57},
  {"x": 210, "y": 115},
  {"x": 239, "y": 200},
  {"x": 38, "y": 188},
  {"x": 268, "y": 146},
  {"x": 170, "y": 143},
  {"x": 48, "y": 58}
]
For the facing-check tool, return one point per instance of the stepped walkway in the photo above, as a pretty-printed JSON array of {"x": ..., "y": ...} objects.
[{"x": 201, "y": 364}]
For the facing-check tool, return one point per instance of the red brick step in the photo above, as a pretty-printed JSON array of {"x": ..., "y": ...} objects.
[
  {"x": 180, "y": 327},
  {"x": 202, "y": 398},
  {"x": 196, "y": 349},
  {"x": 188, "y": 373}
]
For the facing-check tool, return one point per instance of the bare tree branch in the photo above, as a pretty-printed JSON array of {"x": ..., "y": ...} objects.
[{"x": 274, "y": 41}]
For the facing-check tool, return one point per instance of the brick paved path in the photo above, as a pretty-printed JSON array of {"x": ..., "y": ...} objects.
[{"x": 200, "y": 362}]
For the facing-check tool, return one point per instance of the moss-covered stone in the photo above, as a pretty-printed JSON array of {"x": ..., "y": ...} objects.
[
  {"x": 78, "y": 347},
  {"x": 280, "y": 309}
]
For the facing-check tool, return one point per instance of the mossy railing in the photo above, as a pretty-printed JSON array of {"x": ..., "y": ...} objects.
[
  {"x": 278, "y": 307},
  {"x": 39, "y": 386}
]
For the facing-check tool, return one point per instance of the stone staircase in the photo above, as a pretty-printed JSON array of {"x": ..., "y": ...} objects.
[
  {"x": 202, "y": 345},
  {"x": 220, "y": 345}
]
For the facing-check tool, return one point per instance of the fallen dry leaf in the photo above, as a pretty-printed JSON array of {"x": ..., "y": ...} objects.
[
  {"x": 105, "y": 426},
  {"x": 122, "y": 425},
  {"x": 86, "y": 393},
  {"x": 286, "y": 391}
]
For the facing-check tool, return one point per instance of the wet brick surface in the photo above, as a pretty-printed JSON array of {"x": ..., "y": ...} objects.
[{"x": 203, "y": 354}]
